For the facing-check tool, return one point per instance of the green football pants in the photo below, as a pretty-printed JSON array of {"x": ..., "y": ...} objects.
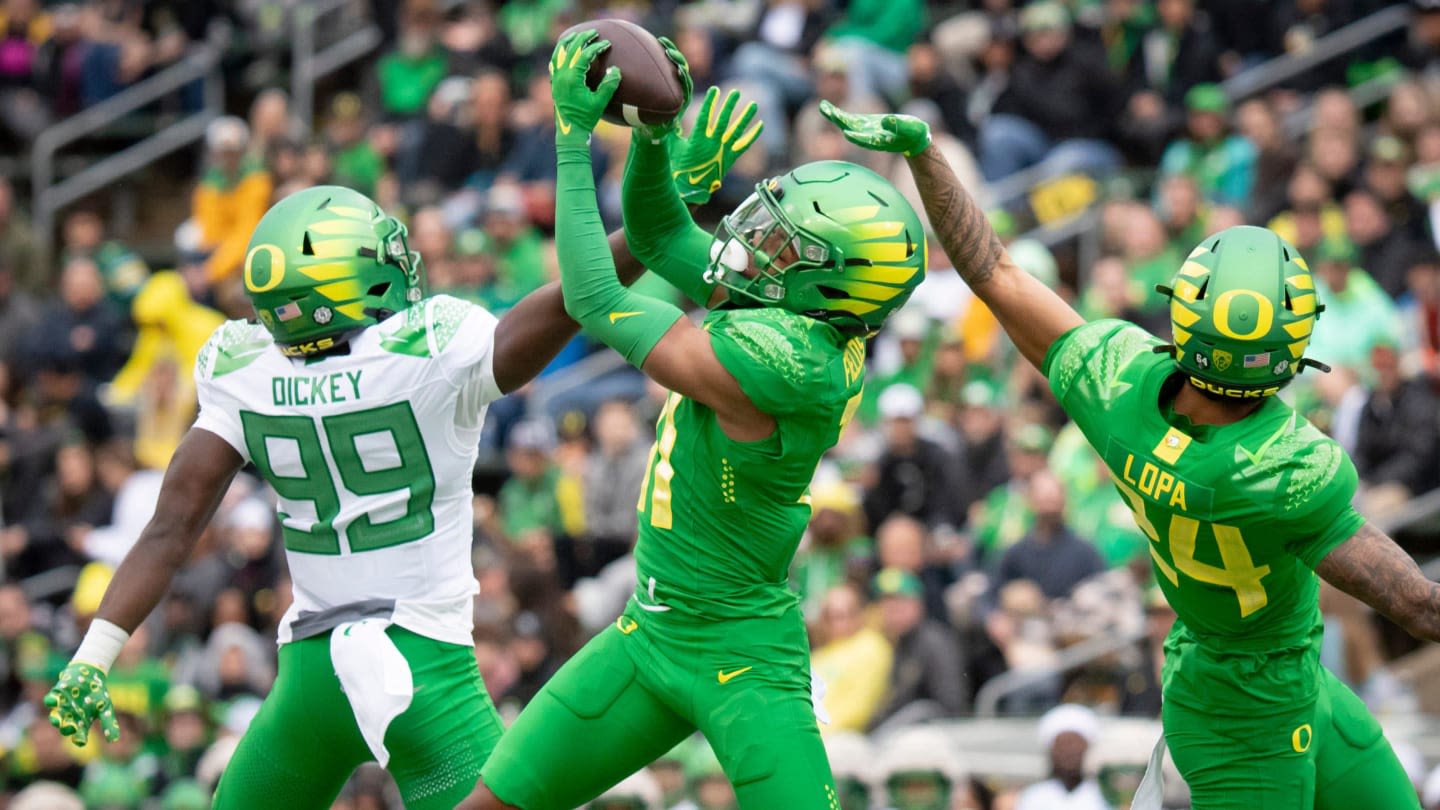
[
  {"x": 304, "y": 742},
  {"x": 649, "y": 681},
  {"x": 1326, "y": 755}
]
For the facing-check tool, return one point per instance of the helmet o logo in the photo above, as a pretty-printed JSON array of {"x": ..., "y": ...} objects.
[
  {"x": 1264, "y": 314},
  {"x": 1301, "y": 738},
  {"x": 271, "y": 264}
]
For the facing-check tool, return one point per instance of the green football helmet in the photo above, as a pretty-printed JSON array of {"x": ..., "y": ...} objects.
[
  {"x": 325, "y": 263},
  {"x": 830, "y": 240},
  {"x": 1242, "y": 308}
]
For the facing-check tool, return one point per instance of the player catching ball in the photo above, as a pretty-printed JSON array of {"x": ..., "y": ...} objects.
[
  {"x": 1243, "y": 500},
  {"x": 713, "y": 639},
  {"x": 360, "y": 401}
]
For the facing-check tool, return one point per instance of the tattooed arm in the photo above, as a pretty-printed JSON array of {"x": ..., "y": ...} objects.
[
  {"x": 1031, "y": 313},
  {"x": 1371, "y": 568}
]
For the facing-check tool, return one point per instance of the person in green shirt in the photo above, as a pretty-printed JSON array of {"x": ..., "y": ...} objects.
[
  {"x": 408, "y": 74},
  {"x": 354, "y": 162},
  {"x": 515, "y": 242},
  {"x": 529, "y": 508},
  {"x": 1358, "y": 311}
]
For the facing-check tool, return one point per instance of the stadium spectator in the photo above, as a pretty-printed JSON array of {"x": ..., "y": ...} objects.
[
  {"x": 1385, "y": 176},
  {"x": 927, "y": 679},
  {"x": 1398, "y": 440},
  {"x": 873, "y": 37},
  {"x": 1058, "y": 106},
  {"x": 1383, "y": 249},
  {"x": 122, "y": 269},
  {"x": 1177, "y": 55},
  {"x": 853, "y": 661},
  {"x": 1222, "y": 165},
  {"x": 18, "y": 252},
  {"x": 1357, "y": 310},
  {"x": 1067, "y": 732},
  {"x": 834, "y": 549},
  {"x": 1004, "y": 516},
  {"x": 1050, "y": 555},
  {"x": 913, "y": 475},
  {"x": 81, "y": 327},
  {"x": 232, "y": 196},
  {"x": 408, "y": 74},
  {"x": 1420, "y": 316},
  {"x": 527, "y": 502},
  {"x": 614, "y": 472},
  {"x": 771, "y": 63}
]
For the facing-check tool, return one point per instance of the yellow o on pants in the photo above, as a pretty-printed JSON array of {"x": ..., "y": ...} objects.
[
  {"x": 1301, "y": 738},
  {"x": 1264, "y": 314}
]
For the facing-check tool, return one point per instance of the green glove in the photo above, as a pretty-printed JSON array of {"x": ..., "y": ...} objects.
[
  {"x": 905, "y": 134},
  {"x": 578, "y": 108},
  {"x": 657, "y": 132},
  {"x": 78, "y": 699},
  {"x": 702, "y": 160}
]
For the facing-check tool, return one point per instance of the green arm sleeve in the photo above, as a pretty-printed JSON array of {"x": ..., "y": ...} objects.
[
  {"x": 628, "y": 322},
  {"x": 658, "y": 226}
]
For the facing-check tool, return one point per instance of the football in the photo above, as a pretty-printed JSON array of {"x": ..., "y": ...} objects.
[{"x": 650, "y": 91}]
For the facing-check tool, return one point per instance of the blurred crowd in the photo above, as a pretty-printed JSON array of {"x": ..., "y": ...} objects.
[{"x": 961, "y": 531}]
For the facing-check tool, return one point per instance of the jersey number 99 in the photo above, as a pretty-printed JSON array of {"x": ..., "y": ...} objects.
[{"x": 317, "y": 484}]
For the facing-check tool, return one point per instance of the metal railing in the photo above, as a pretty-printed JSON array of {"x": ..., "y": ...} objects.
[
  {"x": 987, "y": 700},
  {"x": 49, "y": 196},
  {"x": 309, "y": 65},
  {"x": 1282, "y": 69}
]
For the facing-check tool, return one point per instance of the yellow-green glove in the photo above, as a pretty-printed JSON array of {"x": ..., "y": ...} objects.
[
  {"x": 701, "y": 160},
  {"x": 578, "y": 108},
  {"x": 905, "y": 134},
  {"x": 78, "y": 699}
]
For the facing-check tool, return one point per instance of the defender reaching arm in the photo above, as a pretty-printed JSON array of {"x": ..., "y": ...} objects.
[
  {"x": 1032, "y": 314},
  {"x": 1372, "y": 568}
]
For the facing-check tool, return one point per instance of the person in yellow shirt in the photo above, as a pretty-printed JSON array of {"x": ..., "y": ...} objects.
[
  {"x": 233, "y": 195},
  {"x": 854, "y": 662},
  {"x": 157, "y": 378}
]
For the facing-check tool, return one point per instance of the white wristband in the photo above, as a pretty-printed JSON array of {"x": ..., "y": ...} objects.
[{"x": 101, "y": 645}]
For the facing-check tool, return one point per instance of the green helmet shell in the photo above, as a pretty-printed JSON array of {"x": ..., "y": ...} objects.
[
  {"x": 324, "y": 263},
  {"x": 1242, "y": 309},
  {"x": 830, "y": 240}
]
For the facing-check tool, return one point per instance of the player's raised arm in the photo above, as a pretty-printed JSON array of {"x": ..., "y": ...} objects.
[
  {"x": 197, "y": 478},
  {"x": 666, "y": 172},
  {"x": 1372, "y": 568},
  {"x": 1032, "y": 314},
  {"x": 651, "y": 334},
  {"x": 529, "y": 336}
]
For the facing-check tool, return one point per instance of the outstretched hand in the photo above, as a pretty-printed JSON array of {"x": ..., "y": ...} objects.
[
  {"x": 701, "y": 160},
  {"x": 578, "y": 108},
  {"x": 905, "y": 134}
]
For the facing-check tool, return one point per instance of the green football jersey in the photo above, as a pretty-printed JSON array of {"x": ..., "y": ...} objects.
[
  {"x": 720, "y": 519},
  {"x": 1238, "y": 516}
]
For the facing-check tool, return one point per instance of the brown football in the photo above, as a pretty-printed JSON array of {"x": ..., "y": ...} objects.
[{"x": 650, "y": 90}]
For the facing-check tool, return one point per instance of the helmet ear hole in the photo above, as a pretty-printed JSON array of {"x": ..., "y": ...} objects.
[
  {"x": 378, "y": 289},
  {"x": 832, "y": 293},
  {"x": 306, "y": 248}
]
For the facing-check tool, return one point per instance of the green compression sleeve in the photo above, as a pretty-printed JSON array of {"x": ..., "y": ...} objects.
[
  {"x": 626, "y": 321},
  {"x": 658, "y": 226}
]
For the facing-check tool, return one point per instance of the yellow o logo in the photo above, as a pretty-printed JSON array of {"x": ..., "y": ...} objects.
[
  {"x": 1301, "y": 738},
  {"x": 1264, "y": 314},
  {"x": 275, "y": 265}
]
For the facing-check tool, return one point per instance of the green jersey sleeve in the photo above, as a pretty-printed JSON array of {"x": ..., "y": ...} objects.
[
  {"x": 781, "y": 359},
  {"x": 1315, "y": 502},
  {"x": 1088, "y": 358}
]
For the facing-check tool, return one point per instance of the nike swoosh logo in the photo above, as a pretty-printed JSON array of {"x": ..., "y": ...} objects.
[
  {"x": 694, "y": 179},
  {"x": 620, "y": 316},
  {"x": 1259, "y": 454},
  {"x": 560, "y": 122},
  {"x": 725, "y": 677}
]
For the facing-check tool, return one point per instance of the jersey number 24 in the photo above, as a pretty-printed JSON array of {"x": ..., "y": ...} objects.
[{"x": 1237, "y": 570}]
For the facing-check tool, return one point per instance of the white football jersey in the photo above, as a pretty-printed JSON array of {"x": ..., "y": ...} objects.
[{"x": 371, "y": 454}]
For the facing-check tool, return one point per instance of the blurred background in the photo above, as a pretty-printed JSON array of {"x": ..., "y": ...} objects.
[{"x": 979, "y": 598}]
